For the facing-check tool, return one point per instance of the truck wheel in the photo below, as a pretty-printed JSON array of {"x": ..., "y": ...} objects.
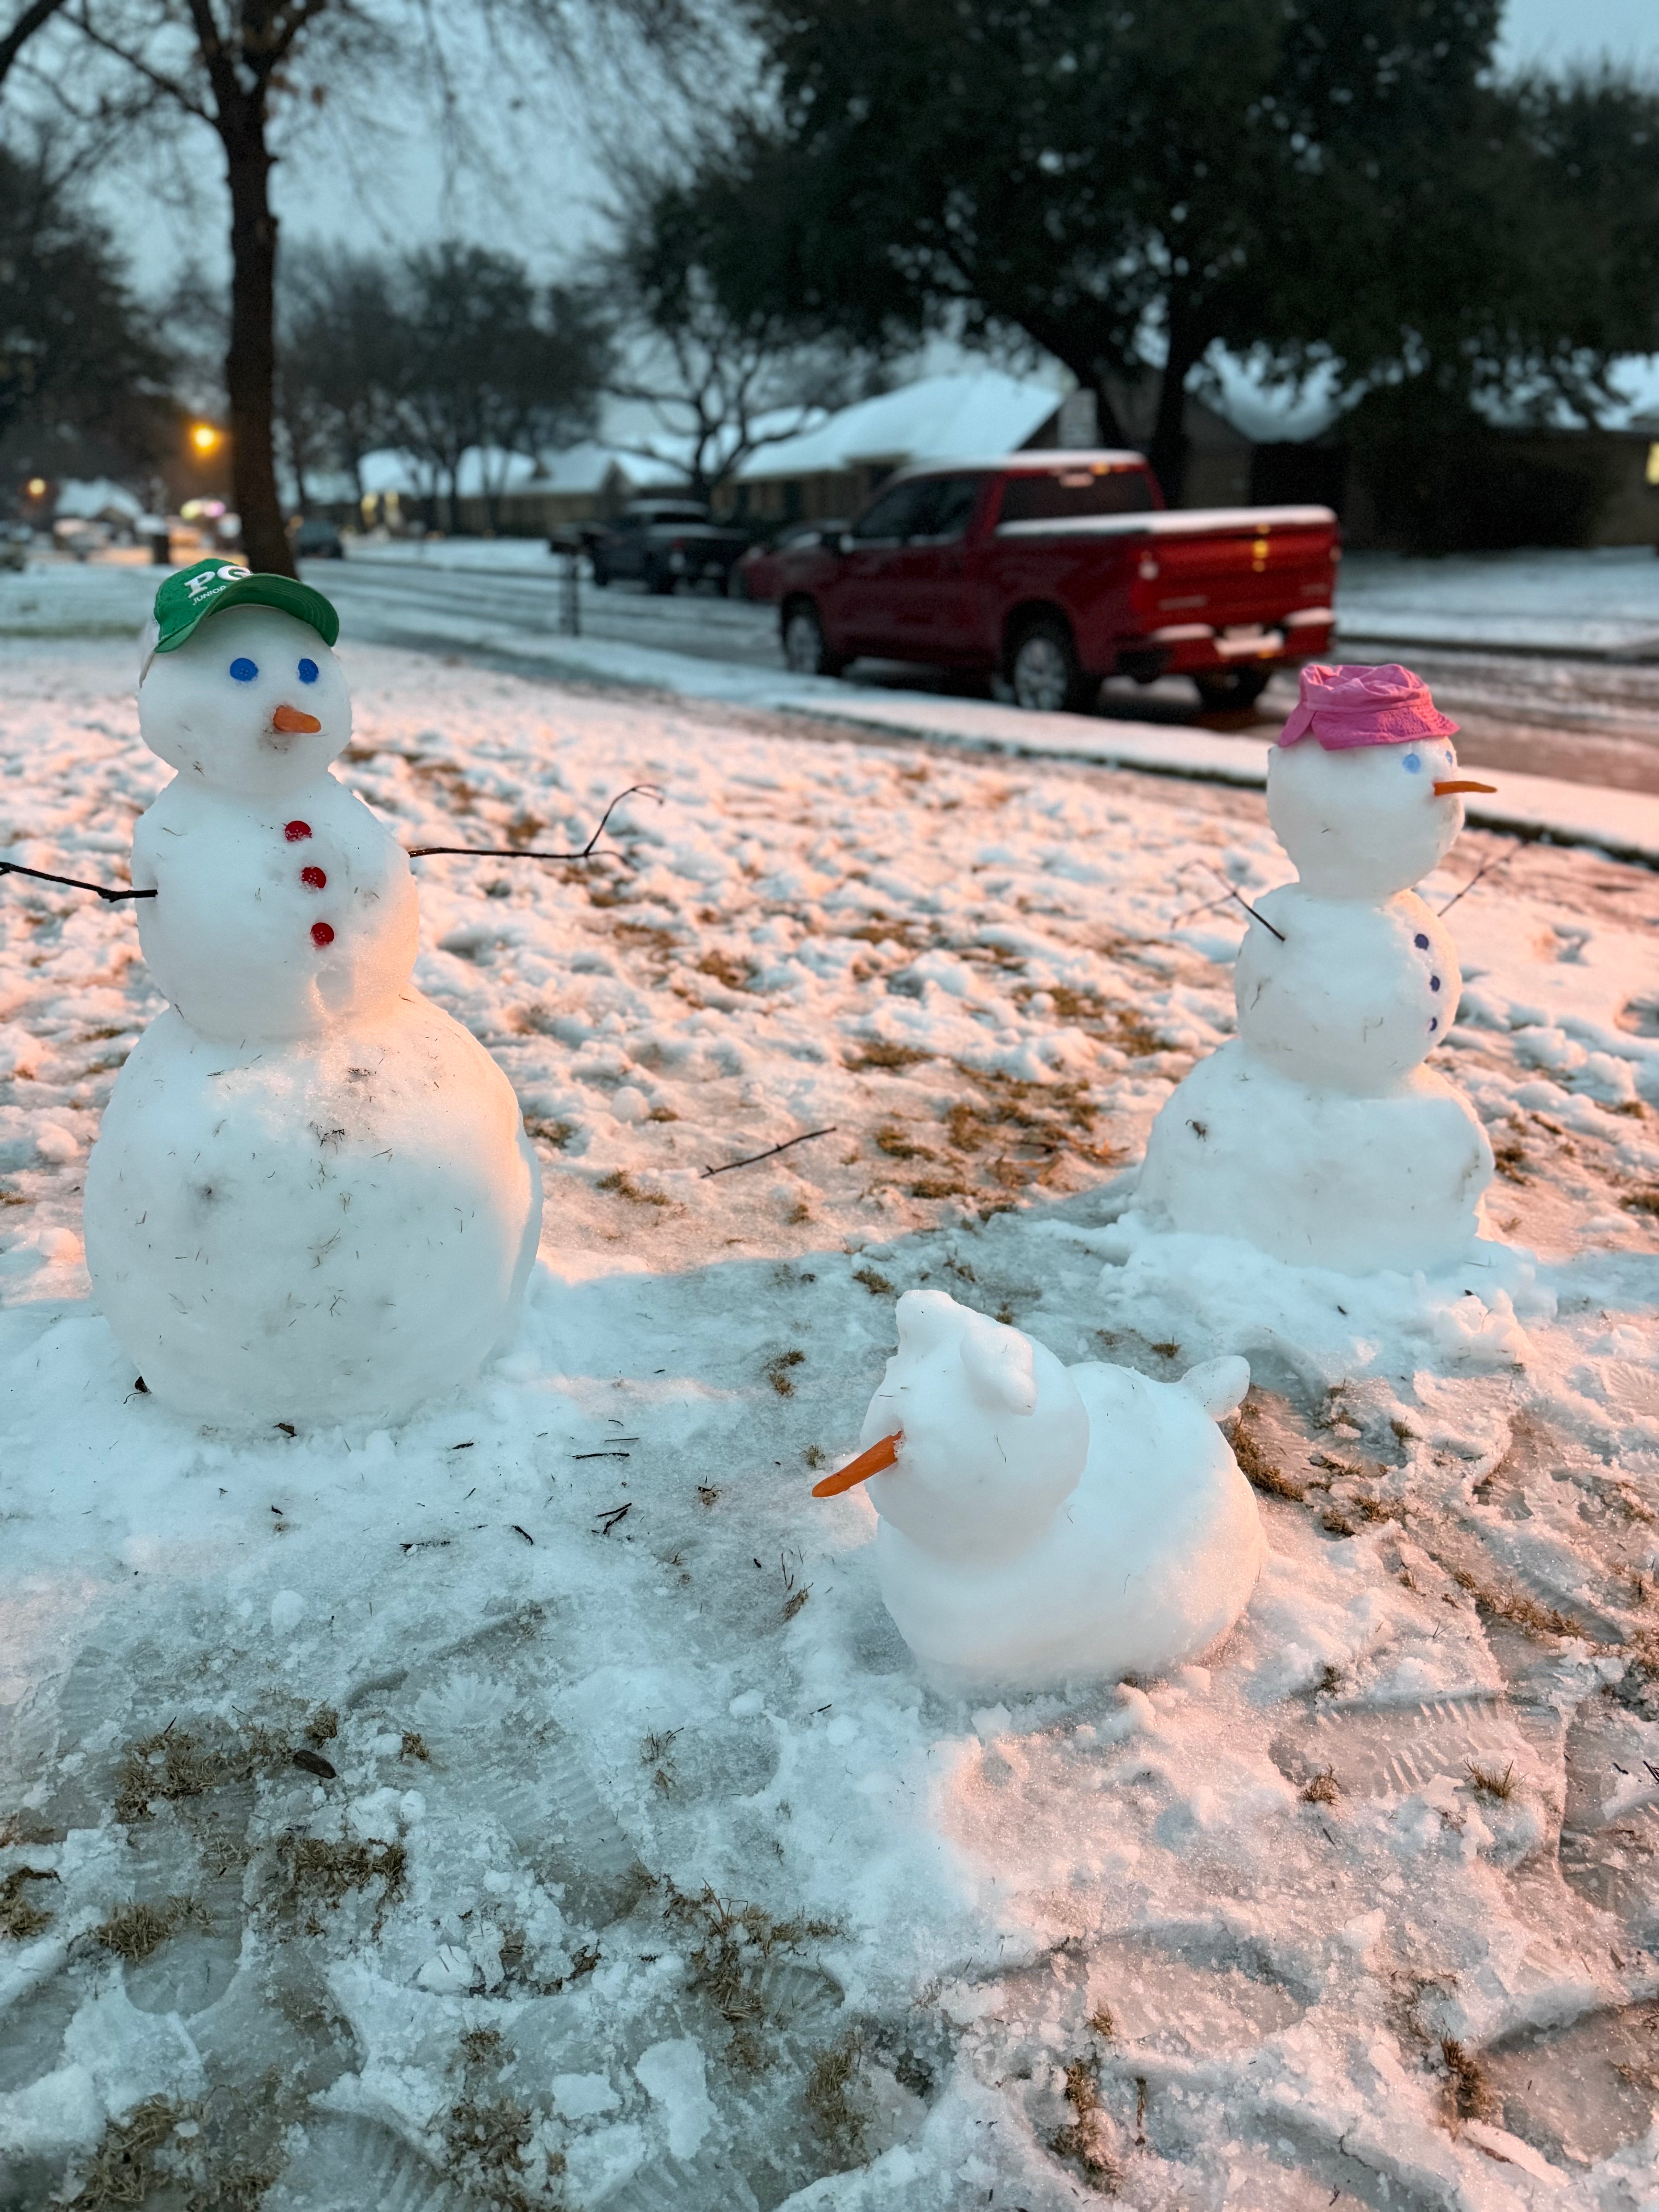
[
  {"x": 601, "y": 576},
  {"x": 1044, "y": 673},
  {"x": 806, "y": 651},
  {"x": 1230, "y": 690}
]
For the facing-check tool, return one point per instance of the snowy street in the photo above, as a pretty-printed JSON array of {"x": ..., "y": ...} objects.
[
  {"x": 535, "y": 1805},
  {"x": 1550, "y": 662}
]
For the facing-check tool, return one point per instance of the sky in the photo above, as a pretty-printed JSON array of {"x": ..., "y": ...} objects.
[{"x": 545, "y": 201}]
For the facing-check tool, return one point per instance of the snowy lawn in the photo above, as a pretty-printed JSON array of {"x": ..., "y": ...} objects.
[{"x": 535, "y": 1806}]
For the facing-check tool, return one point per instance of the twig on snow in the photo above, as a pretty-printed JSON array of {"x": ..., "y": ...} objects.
[
  {"x": 529, "y": 852},
  {"x": 771, "y": 1152},
  {"x": 1493, "y": 860},
  {"x": 74, "y": 883}
]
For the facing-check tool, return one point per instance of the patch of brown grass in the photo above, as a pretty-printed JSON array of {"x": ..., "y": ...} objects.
[
  {"x": 875, "y": 1283},
  {"x": 1641, "y": 1201},
  {"x": 1321, "y": 1789},
  {"x": 736, "y": 974},
  {"x": 887, "y": 1057},
  {"x": 1489, "y": 1783},
  {"x": 1471, "y": 2093},
  {"x": 832, "y": 2114},
  {"x": 1262, "y": 1473},
  {"x": 544, "y": 1131},
  {"x": 1085, "y": 2138},
  {"x": 19, "y": 1918},
  {"x": 1516, "y": 1607},
  {"x": 123, "y": 2168},
  {"x": 728, "y": 1967},
  {"x": 898, "y": 1144},
  {"x": 621, "y": 1184},
  {"x": 317, "y": 1871},
  {"x": 135, "y": 1930},
  {"x": 777, "y": 1372},
  {"x": 175, "y": 1765}
]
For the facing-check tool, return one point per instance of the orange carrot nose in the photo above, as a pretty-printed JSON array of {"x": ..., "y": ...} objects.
[
  {"x": 867, "y": 1463},
  {"x": 292, "y": 723},
  {"x": 1445, "y": 790}
]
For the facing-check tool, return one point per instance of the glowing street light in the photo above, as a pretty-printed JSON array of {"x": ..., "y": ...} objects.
[
  {"x": 36, "y": 487},
  {"x": 206, "y": 438}
]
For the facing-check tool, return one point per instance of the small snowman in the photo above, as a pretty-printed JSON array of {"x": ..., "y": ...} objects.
[
  {"x": 312, "y": 1197},
  {"x": 1040, "y": 1524},
  {"x": 1317, "y": 1133}
]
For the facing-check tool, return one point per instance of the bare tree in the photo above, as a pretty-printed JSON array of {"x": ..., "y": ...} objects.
[
  {"x": 249, "y": 72},
  {"x": 723, "y": 379},
  {"x": 493, "y": 367}
]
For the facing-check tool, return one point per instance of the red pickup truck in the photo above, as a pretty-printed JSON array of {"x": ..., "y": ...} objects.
[{"x": 1057, "y": 569}]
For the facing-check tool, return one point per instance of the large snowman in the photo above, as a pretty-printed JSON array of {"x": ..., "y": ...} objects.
[
  {"x": 312, "y": 1197},
  {"x": 1317, "y": 1133}
]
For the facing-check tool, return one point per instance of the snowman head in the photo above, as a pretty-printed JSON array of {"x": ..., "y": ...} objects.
[
  {"x": 1362, "y": 789},
  {"x": 239, "y": 689},
  {"x": 982, "y": 1429}
]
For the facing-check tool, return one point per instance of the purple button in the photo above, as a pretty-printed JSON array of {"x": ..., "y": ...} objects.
[{"x": 1421, "y": 942}]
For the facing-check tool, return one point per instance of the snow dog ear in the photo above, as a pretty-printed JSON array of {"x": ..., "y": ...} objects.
[
  {"x": 1000, "y": 1367},
  {"x": 927, "y": 1319}
]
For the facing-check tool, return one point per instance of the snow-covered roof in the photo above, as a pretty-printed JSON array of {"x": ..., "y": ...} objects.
[
  {"x": 933, "y": 419},
  {"x": 97, "y": 498}
]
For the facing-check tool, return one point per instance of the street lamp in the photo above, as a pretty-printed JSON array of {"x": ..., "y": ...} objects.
[{"x": 206, "y": 438}]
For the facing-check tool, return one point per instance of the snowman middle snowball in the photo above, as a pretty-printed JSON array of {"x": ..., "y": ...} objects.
[{"x": 312, "y": 1197}]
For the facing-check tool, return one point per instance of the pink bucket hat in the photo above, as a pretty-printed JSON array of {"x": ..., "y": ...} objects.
[{"x": 1352, "y": 705}]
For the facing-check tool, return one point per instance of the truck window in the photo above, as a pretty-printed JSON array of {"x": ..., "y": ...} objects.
[
  {"x": 892, "y": 519},
  {"x": 1067, "y": 495},
  {"x": 946, "y": 507}
]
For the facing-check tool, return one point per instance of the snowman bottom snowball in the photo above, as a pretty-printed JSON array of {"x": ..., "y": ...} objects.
[{"x": 335, "y": 1228}]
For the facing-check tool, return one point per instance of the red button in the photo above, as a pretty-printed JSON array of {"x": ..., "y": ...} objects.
[
  {"x": 296, "y": 832},
  {"x": 314, "y": 877},
  {"x": 321, "y": 933}
]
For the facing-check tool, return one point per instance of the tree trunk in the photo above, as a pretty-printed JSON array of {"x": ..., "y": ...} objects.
[
  {"x": 455, "y": 501},
  {"x": 1169, "y": 446},
  {"x": 1107, "y": 429},
  {"x": 251, "y": 362}
]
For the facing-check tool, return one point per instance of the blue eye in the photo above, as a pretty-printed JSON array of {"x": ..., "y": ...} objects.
[
  {"x": 243, "y": 670},
  {"x": 1411, "y": 764},
  {"x": 307, "y": 672}
]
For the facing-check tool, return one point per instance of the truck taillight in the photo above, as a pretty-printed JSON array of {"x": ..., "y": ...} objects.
[{"x": 677, "y": 545}]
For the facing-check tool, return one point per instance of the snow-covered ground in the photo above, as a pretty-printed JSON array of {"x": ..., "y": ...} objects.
[
  {"x": 1606, "y": 599},
  {"x": 535, "y": 1806}
]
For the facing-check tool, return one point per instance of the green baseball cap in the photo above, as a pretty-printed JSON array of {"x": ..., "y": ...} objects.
[{"x": 207, "y": 587}]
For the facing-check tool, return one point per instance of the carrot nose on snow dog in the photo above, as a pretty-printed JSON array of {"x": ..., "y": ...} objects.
[{"x": 1041, "y": 1523}]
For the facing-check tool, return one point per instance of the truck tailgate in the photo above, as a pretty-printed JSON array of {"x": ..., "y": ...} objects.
[{"x": 1213, "y": 568}]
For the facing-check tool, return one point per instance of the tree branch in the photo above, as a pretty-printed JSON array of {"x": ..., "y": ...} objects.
[
  {"x": 166, "y": 84},
  {"x": 32, "y": 19}
]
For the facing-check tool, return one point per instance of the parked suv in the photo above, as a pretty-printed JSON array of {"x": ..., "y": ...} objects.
[
  {"x": 1057, "y": 569},
  {"x": 665, "y": 543}
]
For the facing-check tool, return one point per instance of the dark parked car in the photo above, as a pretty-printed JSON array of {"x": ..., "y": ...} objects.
[
  {"x": 316, "y": 539},
  {"x": 667, "y": 542},
  {"x": 1058, "y": 569}
]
